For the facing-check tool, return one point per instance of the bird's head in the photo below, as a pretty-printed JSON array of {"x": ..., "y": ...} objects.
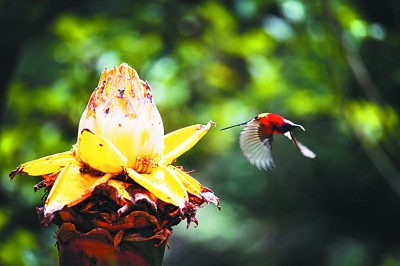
[{"x": 279, "y": 124}]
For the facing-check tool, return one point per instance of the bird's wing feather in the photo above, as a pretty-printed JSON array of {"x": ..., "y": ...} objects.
[
  {"x": 256, "y": 147},
  {"x": 303, "y": 149}
]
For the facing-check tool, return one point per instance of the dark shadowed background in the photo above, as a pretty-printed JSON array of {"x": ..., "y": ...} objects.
[{"x": 332, "y": 66}]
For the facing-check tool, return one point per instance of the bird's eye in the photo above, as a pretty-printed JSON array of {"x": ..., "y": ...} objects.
[{"x": 285, "y": 127}]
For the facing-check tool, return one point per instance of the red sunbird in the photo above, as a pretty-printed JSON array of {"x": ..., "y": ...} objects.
[{"x": 256, "y": 138}]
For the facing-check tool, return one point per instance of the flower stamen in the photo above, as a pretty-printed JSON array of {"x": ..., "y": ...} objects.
[{"x": 144, "y": 165}]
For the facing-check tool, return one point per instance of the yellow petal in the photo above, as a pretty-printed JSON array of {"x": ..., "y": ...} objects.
[
  {"x": 99, "y": 153},
  {"x": 72, "y": 187},
  {"x": 191, "y": 185},
  {"x": 121, "y": 187},
  {"x": 163, "y": 183},
  {"x": 46, "y": 165},
  {"x": 178, "y": 142}
]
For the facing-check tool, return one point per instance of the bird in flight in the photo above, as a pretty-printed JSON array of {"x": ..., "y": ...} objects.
[{"x": 257, "y": 135}]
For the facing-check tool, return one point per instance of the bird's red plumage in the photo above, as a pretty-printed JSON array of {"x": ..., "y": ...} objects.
[{"x": 271, "y": 124}]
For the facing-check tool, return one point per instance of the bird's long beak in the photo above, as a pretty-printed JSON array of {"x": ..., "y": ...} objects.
[{"x": 241, "y": 124}]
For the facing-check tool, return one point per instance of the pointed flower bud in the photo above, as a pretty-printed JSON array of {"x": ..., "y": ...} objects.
[{"x": 121, "y": 110}]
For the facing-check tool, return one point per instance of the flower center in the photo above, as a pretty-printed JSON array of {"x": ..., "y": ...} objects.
[{"x": 145, "y": 164}]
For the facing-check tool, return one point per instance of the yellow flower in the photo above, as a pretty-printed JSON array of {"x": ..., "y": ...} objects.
[
  {"x": 120, "y": 133},
  {"x": 122, "y": 111}
]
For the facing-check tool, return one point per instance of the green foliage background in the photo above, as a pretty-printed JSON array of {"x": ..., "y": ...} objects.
[{"x": 331, "y": 66}]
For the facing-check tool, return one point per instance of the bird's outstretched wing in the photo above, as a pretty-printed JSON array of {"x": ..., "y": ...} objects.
[
  {"x": 256, "y": 147},
  {"x": 303, "y": 149}
]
